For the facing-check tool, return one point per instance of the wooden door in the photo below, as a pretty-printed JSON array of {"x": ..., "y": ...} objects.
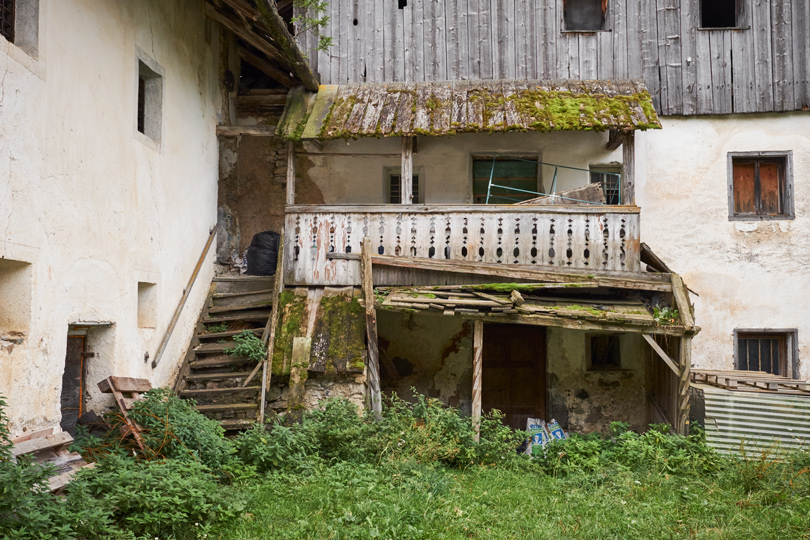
[
  {"x": 513, "y": 375},
  {"x": 73, "y": 384}
]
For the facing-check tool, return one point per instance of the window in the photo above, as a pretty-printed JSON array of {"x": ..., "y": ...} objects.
[
  {"x": 150, "y": 97},
  {"x": 15, "y": 296},
  {"x": 584, "y": 15},
  {"x": 7, "y": 15},
  {"x": 513, "y": 179},
  {"x": 605, "y": 352},
  {"x": 771, "y": 351},
  {"x": 611, "y": 181},
  {"x": 721, "y": 13},
  {"x": 760, "y": 186},
  {"x": 395, "y": 188}
]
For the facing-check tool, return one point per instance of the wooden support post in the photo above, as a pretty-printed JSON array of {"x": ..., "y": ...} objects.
[
  {"x": 682, "y": 302},
  {"x": 683, "y": 385},
  {"x": 478, "y": 356},
  {"x": 299, "y": 366},
  {"x": 629, "y": 173},
  {"x": 664, "y": 356},
  {"x": 290, "y": 173},
  {"x": 615, "y": 138},
  {"x": 406, "y": 174},
  {"x": 373, "y": 365}
]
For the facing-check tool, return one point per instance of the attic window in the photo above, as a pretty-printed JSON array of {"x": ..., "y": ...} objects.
[
  {"x": 720, "y": 13},
  {"x": 150, "y": 98},
  {"x": 7, "y": 13},
  {"x": 584, "y": 15}
]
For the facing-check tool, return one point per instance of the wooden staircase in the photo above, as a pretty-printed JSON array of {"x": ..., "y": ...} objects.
[{"x": 211, "y": 376}]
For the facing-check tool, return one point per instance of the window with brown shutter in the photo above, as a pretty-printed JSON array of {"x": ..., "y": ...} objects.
[{"x": 760, "y": 186}]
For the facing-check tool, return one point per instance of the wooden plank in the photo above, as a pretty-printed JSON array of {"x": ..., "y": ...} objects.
[
  {"x": 682, "y": 302},
  {"x": 670, "y": 55},
  {"x": 55, "y": 483},
  {"x": 588, "y": 56},
  {"x": 690, "y": 21},
  {"x": 783, "y": 47},
  {"x": 238, "y": 131},
  {"x": 485, "y": 38},
  {"x": 648, "y": 32},
  {"x": 683, "y": 385},
  {"x": 762, "y": 52},
  {"x": 33, "y": 435},
  {"x": 124, "y": 384},
  {"x": 290, "y": 173},
  {"x": 373, "y": 371},
  {"x": 41, "y": 443},
  {"x": 801, "y": 55},
  {"x": 654, "y": 282},
  {"x": 406, "y": 176},
  {"x": 742, "y": 72},
  {"x": 720, "y": 47},
  {"x": 703, "y": 76},
  {"x": 478, "y": 355},
  {"x": 628, "y": 192},
  {"x": 277, "y": 73},
  {"x": 662, "y": 354},
  {"x": 285, "y": 42}
]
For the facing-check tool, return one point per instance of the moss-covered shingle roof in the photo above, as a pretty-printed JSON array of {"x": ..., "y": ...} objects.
[{"x": 447, "y": 108}]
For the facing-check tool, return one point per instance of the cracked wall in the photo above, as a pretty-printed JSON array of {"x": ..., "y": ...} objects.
[{"x": 94, "y": 206}]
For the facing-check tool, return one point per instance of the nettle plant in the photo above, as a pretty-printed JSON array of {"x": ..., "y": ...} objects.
[
  {"x": 248, "y": 345},
  {"x": 313, "y": 19}
]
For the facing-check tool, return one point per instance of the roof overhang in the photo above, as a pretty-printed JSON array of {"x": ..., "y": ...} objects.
[{"x": 447, "y": 108}]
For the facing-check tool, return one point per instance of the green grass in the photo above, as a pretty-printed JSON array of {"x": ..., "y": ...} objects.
[{"x": 407, "y": 500}]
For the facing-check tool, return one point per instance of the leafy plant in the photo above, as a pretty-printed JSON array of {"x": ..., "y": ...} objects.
[
  {"x": 216, "y": 328},
  {"x": 313, "y": 19},
  {"x": 666, "y": 315},
  {"x": 248, "y": 345}
]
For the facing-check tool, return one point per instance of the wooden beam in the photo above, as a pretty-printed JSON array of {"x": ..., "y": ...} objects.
[
  {"x": 237, "y": 131},
  {"x": 682, "y": 301},
  {"x": 249, "y": 37},
  {"x": 277, "y": 28},
  {"x": 683, "y": 385},
  {"x": 290, "y": 173},
  {"x": 629, "y": 172},
  {"x": 373, "y": 371},
  {"x": 647, "y": 282},
  {"x": 664, "y": 356},
  {"x": 277, "y": 73},
  {"x": 406, "y": 172},
  {"x": 478, "y": 356},
  {"x": 615, "y": 140}
]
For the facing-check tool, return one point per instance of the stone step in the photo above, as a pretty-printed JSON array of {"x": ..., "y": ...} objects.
[
  {"x": 259, "y": 315},
  {"x": 220, "y": 361},
  {"x": 211, "y": 393},
  {"x": 215, "y": 336},
  {"x": 241, "y": 307},
  {"x": 220, "y": 407},
  {"x": 219, "y": 376}
]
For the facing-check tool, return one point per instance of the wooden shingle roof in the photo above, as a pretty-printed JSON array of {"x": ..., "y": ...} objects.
[{"x": 447, "y": 108}]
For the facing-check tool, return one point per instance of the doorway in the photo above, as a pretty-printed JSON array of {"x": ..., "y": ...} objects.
[
  {"x": 513, "y": 374},
  {"x": 72, "y": 400}
]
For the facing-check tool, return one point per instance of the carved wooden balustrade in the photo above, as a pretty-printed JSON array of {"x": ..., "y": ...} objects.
[{"x": 598, "y": 238}]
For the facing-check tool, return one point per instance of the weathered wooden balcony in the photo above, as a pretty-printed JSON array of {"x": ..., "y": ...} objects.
[{"x": 571, "y": 237}]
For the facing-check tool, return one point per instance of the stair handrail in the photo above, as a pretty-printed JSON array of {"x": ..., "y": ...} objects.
[{"x": 186, "y": 292}]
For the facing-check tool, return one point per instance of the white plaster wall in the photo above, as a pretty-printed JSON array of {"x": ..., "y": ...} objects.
[
  {"x": 445, "y": 163},
  {"x": 749, "y": 274},
  {"x": 94, "y": 205}
]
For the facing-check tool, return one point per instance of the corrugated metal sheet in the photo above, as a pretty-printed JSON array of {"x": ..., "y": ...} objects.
[{"x": 758, "y": 420}]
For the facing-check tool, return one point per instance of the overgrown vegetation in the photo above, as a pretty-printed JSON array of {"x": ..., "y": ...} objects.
[
  {"x": 249, "y": 346},
  {"x": 313, "y": 19},
  {"x": 419, "y": 473},
  {"x": 666, "y": 315}
]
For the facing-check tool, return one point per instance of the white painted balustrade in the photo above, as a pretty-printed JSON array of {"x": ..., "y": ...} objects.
[{"x": 598, "y": 238}]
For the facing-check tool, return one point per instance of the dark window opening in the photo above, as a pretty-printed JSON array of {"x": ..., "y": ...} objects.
[
  {"x": 141, "y": 103},
  {"x": 504, "y": 180},
  {"x": 760, "y": 187},
  {"x": 403, "y": 4},
  {"x": 395, "y": 189},
  {"x": 611, "y": 183},
  {"x": 718, "y": 13},
  {"x": 763, "y": 351},
  {"x": 605, "y": 352},
  {"x": 584, "y": 15},
  {"x": 7, "y": 13}
]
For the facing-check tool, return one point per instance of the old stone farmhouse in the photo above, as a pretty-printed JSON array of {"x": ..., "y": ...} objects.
[{"x": 556, "y": 208}]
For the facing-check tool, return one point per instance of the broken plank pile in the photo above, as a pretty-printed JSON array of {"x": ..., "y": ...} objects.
[
  {"x": 751, "y": 381},
  {"x": 126, "y": 391},
  {"x": 48, "y": 448},
  {"x": 501, "y": 300}
]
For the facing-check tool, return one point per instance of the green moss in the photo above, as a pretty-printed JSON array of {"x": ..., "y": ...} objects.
[
  {"x": 573, "y": 285},
  {"x": 591, "y": 310},
  {"x": 343, "y": 320},
  {"x": 504, "y": 287},
  {"x": 423, "y": 295},
  {"x": 291, "y": 317}
]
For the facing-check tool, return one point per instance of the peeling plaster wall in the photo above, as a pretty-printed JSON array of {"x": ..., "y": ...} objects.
[
  {"x": 95, "y": 206},
  {"x": 433, "y": 354},
  {"x": 445, "y": 163},
  {"x": 584, "y": 400},
  {"x": 749, "y": 274}
]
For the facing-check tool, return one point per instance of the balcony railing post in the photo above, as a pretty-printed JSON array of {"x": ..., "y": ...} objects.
[{"x": 406, "y": 177}]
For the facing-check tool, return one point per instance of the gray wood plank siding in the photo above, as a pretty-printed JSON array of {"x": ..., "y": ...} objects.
[{"x": 761, "y": 66}]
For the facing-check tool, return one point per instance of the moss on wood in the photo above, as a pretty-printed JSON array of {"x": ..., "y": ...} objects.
[{"x": 292, "y": 308}]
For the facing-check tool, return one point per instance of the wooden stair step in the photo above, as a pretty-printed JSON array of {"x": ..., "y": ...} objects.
[
  {"x": 242, "y": 293},
  {"x": 233, "y": 425},
  {"x": 228, "y": 333},
  {"x": 221, "y": 361},
  {"x": 216, "y": 392},
  {"x": 220, "y": 407},
  {"x": 260, "y": 316},
  {"x": 225, "y": 278},
  {"x": 243, "y": 307},
  {"x": 214, "y": 348},
  {"x": 222, "y": 376}
]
